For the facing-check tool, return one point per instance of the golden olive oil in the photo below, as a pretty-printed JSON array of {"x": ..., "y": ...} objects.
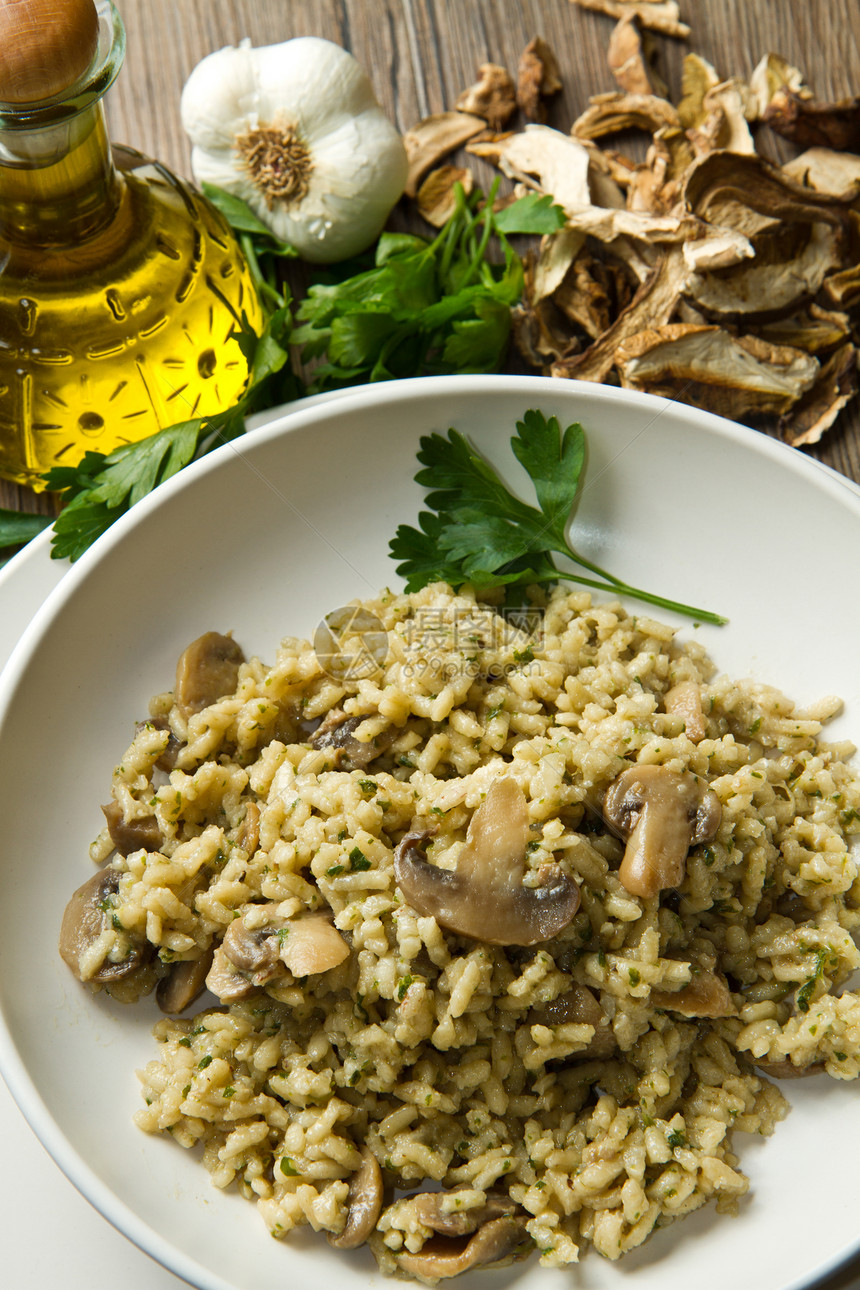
[{"x": 120, "y": 288}]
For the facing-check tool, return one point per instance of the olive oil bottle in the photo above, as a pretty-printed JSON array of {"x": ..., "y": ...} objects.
[{"x": 121, "y": 288}]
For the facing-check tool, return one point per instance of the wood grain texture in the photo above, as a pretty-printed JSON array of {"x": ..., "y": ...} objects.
[{"x": 420, "y": 54}]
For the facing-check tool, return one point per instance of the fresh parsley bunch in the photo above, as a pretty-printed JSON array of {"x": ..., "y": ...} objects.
[
  {"x": 425, "y": 307},
  {"x": 477, "y": 531}
]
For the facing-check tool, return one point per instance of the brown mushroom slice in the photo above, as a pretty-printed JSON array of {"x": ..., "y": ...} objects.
[
  {"x": 337, "y": 734},
  {"x": 787, "y": 1070},
  {"x": 434, "y": 138},
  {"x": 538, "y": 78},
  {"x": 661, "y": 813},
  {"x": 248, "y": 837},
  {"x": 184, "y": 983},
  {"x": 167, "y": 760},
  {"x": 311, "y": 944},
  {"x": 225, "y": 980},
  {"x": 484, "y": 897},
  {"x": 86, "y": 917},
  {"x": 496, "y": 1242},
  {"x": 684, "y": 700},
  {"x": 654, "y": 15},
  {"x": 430, "y": 1209},
  {"x": 207, "y": 671},
  {"x": 132, "y": 835},
  {"x": 613, "y": 112},
  {"x": 706, "y": 995},
  {"x": 363, "y": 1203},
  {"x": 493, "y": 97},
  {"x": 579, "y": 1006}
]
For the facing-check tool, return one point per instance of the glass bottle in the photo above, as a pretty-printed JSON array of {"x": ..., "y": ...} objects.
[{"x": 120, "y": 286}]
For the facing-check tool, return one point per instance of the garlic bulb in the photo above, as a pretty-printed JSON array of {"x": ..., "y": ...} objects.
[{"x": 295, "y": 131}]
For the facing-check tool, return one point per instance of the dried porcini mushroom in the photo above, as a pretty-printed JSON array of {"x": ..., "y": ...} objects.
[
  {"x": 363, "y": 1203},
  {"x": 628, "y": 60},
  {"x": 657, "y": 15},
  {"x": 660, "y": 813},
  {"x": 436, "y": 198},
  {"x": 497, "y": 1241},
  {"x": 538, "y": 78},
  {"x": 484, "y": 897},
  {"x": 712, "y": 233},
  {"x": 728, "y": 376},
  {"x": 493, "y": 97},
  {"x": 434, "y": 138},
  {"x": 613, "y": 112},
  {"x": 207, "y": 671}
]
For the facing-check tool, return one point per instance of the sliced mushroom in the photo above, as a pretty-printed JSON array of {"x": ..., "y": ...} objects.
[
  {"x": 207, "y": 671},
  {"x": 787, "y": 1070},
  {"x": 185, "y": 981},
  {"x": 484, "y": 897},
  {"x": 706, "y": 995},
  {"x": 248, "y": 837},
  {"x": 685, "y": 700},
  {"x": 225, "y": 980},
  {"x": 337, "y": 733},
  {"x": 132, "y": 835},
  {"x": 496, "y": 1242},
  {"x": 167, "y": 760},
  {"x": 86, "y": 917},
  {"x": 312, "y": 945},
  {"x": 363, "y": 1203},
  {"x": 437, "y": 1210},
  {"x": 661, "y": 813},
  {"x": 579, "y": 1006}
]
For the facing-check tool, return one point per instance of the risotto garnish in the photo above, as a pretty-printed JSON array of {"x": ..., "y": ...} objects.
[{"x": 510, "y": 924}]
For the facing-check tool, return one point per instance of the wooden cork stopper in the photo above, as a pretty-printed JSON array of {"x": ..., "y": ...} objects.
[{"x": 45, "y": 46}]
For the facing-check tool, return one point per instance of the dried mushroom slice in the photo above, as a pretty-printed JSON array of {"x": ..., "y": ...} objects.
[
  {"x": 706, "y": 366},
  {"x": 656, "y": 15},
  {"x": 436, "y": 198},
  {"x": 612, "y": 112},
  {"x": 628, "y": 59},
  {"x": 827, "y": 171},
  {"x": 812, "y": 124},
  {"x": 434, "y": 138},
  {"x": 493, "y": 96},
  {"x": 816, "y": 412},
  {"x": 538, "y": 78}
]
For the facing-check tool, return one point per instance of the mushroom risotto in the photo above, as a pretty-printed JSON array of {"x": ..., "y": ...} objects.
[{"x": 509, "y": 931}]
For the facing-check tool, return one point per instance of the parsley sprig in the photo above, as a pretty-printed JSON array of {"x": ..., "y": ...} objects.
[
  {"x": 477, "y": 531},
  {"x": 425, "y": 307}
]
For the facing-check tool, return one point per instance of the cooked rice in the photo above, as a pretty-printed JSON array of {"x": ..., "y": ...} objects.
[{"x": 435, "y": 1051}]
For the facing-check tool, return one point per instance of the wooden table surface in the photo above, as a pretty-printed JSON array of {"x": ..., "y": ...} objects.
[{"x": 421, "y": 54}]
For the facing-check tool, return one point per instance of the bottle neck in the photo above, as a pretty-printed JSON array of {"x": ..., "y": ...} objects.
[{"x": 58, "y": 184}]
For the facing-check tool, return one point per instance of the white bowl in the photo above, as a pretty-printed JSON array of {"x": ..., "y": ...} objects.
[{"x": 263, "y": 538}]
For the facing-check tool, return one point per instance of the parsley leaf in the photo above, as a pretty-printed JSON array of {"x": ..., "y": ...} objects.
[
  {"x": 424, "y": 307},
  {"x": 478, "y": 531},
  {"x": 16, "y": 527}
]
